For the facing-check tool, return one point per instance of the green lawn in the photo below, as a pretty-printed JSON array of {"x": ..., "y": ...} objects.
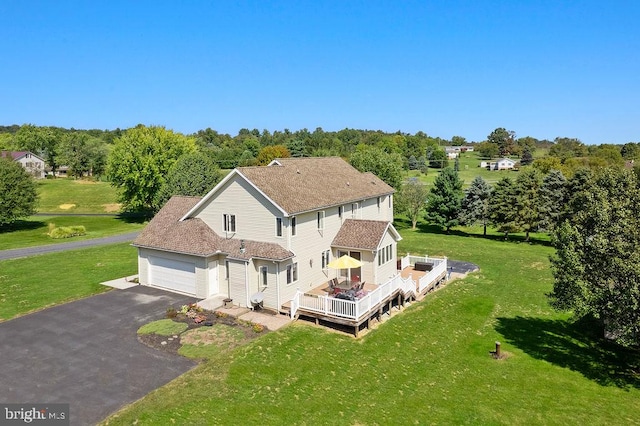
[
  {"x": 430, "y": 364},
  {"x": 76, "y": 196},
  {"x": 33, "y": 232},
  {"x": 36, "y": 282}
]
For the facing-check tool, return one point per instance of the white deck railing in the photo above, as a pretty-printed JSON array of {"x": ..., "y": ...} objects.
[{"x": 355, "y": 310}]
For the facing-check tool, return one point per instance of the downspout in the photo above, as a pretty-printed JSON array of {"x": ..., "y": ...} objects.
[
  {"x": 246, "y": 283},
  {"x": 278, "y": 286}
]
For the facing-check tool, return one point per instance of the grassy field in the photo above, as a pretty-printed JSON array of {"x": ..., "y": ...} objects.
[
  {"x": 76, "y": 196},
  {"x": 33, "y": 232},
  {"x": 429, "y": 364},
  {"x": 36, "y": 282}
]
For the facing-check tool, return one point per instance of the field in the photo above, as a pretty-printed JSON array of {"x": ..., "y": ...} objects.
[
  {"x": 429, "y": 364},
  {"x": 76, "y": 196}
]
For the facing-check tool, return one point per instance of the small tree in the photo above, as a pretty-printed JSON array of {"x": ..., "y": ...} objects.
[
  {"x": 438, "y": 159},
  {"x": 443, "y": 205},
  {"x": 17, "y": 192},
  {"x": 527, "y": 156},
  {"x": 526, "y": 201},
  {"x": 502, "y": 212},
  {"x": 475, "y": 204},
  {"x": 412, "y": 199}
]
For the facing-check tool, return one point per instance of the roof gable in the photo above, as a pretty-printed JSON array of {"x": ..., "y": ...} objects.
[{"x": 363, "y": 234}]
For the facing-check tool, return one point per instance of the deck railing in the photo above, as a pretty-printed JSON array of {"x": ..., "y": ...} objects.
[
  {"x": 348, "y": 309},
  {"x": 355, "y": 310}
]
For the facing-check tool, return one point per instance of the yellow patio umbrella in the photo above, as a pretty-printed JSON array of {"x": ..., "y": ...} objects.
[{"x": 345, "y": 262}]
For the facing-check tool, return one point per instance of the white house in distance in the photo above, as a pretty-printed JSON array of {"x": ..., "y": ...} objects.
[
  {"x": 500, "y": 164},
  {"x": 33, "y": 164},
  {"x": 273, "y": 230}
]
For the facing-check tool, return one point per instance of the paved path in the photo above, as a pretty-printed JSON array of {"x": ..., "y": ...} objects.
[
  {"x": 86, "y": 353},
  {"x": 31, "y": 251}
]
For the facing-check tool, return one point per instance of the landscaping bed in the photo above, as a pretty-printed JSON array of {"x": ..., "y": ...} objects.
[{"x": 198, "y": 333}]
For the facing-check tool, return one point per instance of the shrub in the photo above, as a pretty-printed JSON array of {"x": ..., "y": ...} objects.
[
  {"x": 258, "y": 328},
  {"x": 172, "y": 313},
  {"x": 66, "y": 231}
]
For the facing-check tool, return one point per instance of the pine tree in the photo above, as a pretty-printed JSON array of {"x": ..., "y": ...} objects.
[
  {"x": 475, "y": 204},
  {"x": 527, "y": 187},
  {"x": 553, "y": 197},
  {"x": 527, "y": 156},
  {"x": 502, "y": 212},
  {"x": 445, "y": 198}
]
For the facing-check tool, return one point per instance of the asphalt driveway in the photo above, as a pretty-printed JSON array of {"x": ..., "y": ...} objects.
[{"x": 86, "y": 353}]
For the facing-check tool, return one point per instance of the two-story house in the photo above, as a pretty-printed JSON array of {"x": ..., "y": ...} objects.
[
  {"x": 272, "y": 230},
  {"x": 33, "y": 164}
]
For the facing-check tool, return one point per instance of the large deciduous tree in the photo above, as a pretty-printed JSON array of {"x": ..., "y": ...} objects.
[
  {"x": 505, "y": 139},
  {"x": 596, "y": 267},
  {"x": 387, "y": 166},
  {"x": 475, "y": 204},
  {"x": 270, "y": 153},
  {"x": 412, "y": 199},
  {"x": 17, "y": 192},
  {"x": 193, "y": 174},
  {"x": 139, "y": 163},
  {"x": 445, "y": 198}
]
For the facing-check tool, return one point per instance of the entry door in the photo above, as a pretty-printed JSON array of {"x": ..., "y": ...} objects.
[
  {"x": 214, "y": 285},
  {"x": 356, "y": 272}
]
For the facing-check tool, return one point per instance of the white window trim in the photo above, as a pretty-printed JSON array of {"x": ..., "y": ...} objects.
[
  {"x": 294, "y": 225},
  {"x": 264, "y": 276},
  {"x": 320, "y": 220},
  {"x": 279, "y": 227},
  {"x": 292, "y": 273},
  {"x": 227, "y": 221}
]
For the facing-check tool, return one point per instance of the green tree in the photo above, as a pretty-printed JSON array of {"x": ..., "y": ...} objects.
[
  {"x": 487, "y": 150},
  {"x": 527, "y": 188},
  {"x": 438, "y": 158},
  {"x": 630, "y": 151},
  {"x": 193, "y": 174},
  {"x": 139, "y": 162},
  {"x": 527, "y": 156},
  {"x": 270, "y": 153},
  {"x": 552, "y": 201},
  {"x": 387, "y": 167},
  {"x": 504, "y": 139},
  {"x": 458, "y": 141},
  {"x": 596, "y": 267},
  {"x": 564, "y": 148},
  {"x": 475, "y": 204},
  {"x": 412, "y": 200},
  {"x": 17, "y": 192},
  {"x": 502, "y": 212},
  {"x": 445, "y": 198}
]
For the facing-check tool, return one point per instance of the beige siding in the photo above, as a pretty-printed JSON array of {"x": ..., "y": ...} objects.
[
  {"x": 270, "y": 292},
  {"x": 202, "y": 270},
  {"x": 237, "y": 282},
  {"x": 388, "y": 269},
  {"x": 255, "y": 216}
]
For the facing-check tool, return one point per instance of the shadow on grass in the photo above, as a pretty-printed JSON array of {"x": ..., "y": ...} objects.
[
  {"x": 22, "y": 225},
  {"x": 401, "y": 224},
  {"x": 134, "y": 217},
  {"x": 574, "y": 345}
]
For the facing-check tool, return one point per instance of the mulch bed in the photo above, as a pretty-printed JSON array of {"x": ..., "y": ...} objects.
[{"x": 172, "y": 344}]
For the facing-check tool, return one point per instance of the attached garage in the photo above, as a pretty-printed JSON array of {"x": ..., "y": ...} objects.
[{"x": 172, "y": 274}]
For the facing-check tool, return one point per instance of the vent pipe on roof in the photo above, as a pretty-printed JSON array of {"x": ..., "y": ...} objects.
[{"x": 242, "y": 248}]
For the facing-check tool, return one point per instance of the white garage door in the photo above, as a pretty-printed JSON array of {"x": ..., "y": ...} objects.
[{"x": 173, "y": 274}]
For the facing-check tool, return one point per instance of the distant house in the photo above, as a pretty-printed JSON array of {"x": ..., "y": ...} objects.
[
  {"x": 33, "y": 164},
  {"x": 458, "y": 149},
  {"x": 500, "y": 164}
]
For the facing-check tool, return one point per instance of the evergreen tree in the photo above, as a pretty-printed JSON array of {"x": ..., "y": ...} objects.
[
  {"x": 527, "y": 187},
  {"x": 553, "y": 195},
  {"x": 527, "y": 156},
  {"x": 502, "y": 212},
  {"x": 445, "y": 198},
  {"x": 413, "y": 163},
  {"x": 475, "y": 204}
]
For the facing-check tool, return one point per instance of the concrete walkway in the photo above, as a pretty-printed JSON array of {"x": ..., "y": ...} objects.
[{"x": 269, "y": 320}]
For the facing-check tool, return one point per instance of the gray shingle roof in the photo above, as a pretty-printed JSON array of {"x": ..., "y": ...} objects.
[
  {"x": 304, "y": 184},
  {"x": 192, "y": 236},
  {"x": 360, "y": 234}
]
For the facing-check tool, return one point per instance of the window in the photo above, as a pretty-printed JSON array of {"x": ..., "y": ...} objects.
[
  {"x": 340, "y": 212},
  {"x": 292, "y": 273},
  {"x": 354, "y": 210},
  {"x": 263, "y": 275},
  {"x": 229, "y": 222},
  {"x": 278, "y": 226},
  {"x": 384, "y": 254},
  {"x": 326, "y": 257},
  {"x": 378, "y": 201},
  {"x": 293, "y": 226},
  {"x": 320, "y": 220},
  {"x": 389, "y": 198}
]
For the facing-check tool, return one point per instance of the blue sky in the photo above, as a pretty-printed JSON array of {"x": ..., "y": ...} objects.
[{"x": 540, "y": 68}]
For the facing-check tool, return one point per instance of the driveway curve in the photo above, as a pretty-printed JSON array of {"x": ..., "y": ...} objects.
[
  {"x": 86, "y": 353},
  {"x": 32, "y": 251}
]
